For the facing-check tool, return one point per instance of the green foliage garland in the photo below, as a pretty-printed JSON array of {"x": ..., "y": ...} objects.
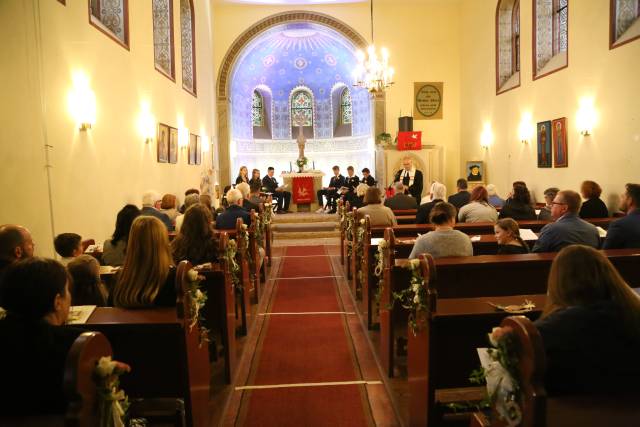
[{"x": 414, "y": 298}]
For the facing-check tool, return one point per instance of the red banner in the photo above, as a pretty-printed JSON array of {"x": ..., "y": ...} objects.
[
  {"x": 410, "y": 140},
  {"x": 303, "y": 190}
]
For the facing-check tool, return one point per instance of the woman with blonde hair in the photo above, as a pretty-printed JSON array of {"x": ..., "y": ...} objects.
[
  {"x": 507, "y": 234},
  {"x": 243, "y": 175},
  {"x": 590, "y": 325},
  {"x": 147, "y": 277}
]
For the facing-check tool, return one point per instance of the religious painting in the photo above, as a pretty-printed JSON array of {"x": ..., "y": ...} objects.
[
  {"x": 193, "y": 144},
  {"x": 198, "y": 150},
  {"x": 544, "y": 144},
  {"x": 560, "y": 154},
  {"x": 475, "y": 171},
  {"x": 163, "y": 143},
  {"x": 173, "y": 145}
]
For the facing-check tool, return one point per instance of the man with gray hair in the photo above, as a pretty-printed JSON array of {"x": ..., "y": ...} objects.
[
  {"x": 400, "y": 200},
  {"x": 227, "y": 219},
  {"x": 149, "y": 201},
  {"x": 245, "y": 189},
  {"x": 568, "y": 228}
]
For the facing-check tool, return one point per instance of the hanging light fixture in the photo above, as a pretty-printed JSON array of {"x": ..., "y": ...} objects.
[{"x": 372, "y": 72}]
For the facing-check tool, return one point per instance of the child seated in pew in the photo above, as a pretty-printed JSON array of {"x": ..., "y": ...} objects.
[
  {"x": 68, "y": 246},
  {"x": 195, "y": 242},
  {"x": 590, "y": 326},
  {"x": 507, "y": 234},
  {"x": 148, "y": 276},
  {"x": 35, "y": 295},
  {"x": 444, "y": 241},
  {"x": 86, "y": 288}
]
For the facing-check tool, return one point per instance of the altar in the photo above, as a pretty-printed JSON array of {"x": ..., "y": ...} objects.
[{"x": 303, "y": 187}]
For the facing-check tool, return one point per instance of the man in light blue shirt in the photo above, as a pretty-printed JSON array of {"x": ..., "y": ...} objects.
[{"x": 568, "y": 228}]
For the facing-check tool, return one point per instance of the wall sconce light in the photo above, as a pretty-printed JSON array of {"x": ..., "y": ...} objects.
[
  {"x": 183, "y": 137},
  {"x": 586, "y": 117},
  {"x": 486, "y": 137},
  {"x": 146, "y": 123},
  {"x": 82, "y": 102},
  {"x": 526, "y": 129}
]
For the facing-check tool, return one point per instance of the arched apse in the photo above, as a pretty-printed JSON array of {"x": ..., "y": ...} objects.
[{"x": 297, "y": 31}]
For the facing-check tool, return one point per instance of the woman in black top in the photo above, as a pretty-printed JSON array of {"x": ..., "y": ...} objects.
[
  {"x": 593, "y": 207},
  {"x": 508, "y": 236},
  {"x": 35, "y": 295},
  {"x": 243, "y": 175},
  {"x": 518, "y": 206},
  {"x": 590, "y": 326},
  {"x": 255, "y": 178}
]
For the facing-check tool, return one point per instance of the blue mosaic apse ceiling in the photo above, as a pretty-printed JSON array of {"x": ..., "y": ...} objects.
[{"x": 289, "y": 56}]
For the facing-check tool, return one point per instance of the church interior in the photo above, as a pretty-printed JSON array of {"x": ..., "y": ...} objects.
[{"x": 416, "y": 212}]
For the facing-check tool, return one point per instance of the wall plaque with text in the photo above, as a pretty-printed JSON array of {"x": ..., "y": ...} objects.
[{"x": 427, "y": 100}]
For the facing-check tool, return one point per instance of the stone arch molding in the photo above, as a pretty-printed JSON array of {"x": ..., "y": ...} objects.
[{"x": 234, "y": 52}]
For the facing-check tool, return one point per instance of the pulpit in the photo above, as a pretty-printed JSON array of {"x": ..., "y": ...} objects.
[
  {"x": 303, "y": 187},
  {"x": 429, "y": 159}
]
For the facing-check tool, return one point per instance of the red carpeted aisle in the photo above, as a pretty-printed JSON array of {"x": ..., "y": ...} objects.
[{"x": 304, "y": 347}]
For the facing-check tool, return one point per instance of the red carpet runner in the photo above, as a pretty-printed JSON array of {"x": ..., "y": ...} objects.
[{"x": 305, "y": 341}]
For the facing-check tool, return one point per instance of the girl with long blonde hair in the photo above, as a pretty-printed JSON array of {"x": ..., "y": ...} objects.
[{"x": 147, "y": 277}]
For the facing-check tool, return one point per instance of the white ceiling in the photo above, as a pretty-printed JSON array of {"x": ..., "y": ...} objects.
[{"x": 290, "y": 2}]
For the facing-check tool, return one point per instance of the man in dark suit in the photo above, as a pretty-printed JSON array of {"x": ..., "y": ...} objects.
[
  {"x": 351, "y": 182},
  {"x": 367, "y": 178},
  {"x": 331, "y": 192},
  {"x": 400, "y": 200},
  {"x": 411, "y": 178},
  {"x": 270, "y": 184},
  {"x": 227, "y": 220},
  {"x": 461, "y": 198},
  {"x": 568, "y": 228},
  {"x": 625, "y": 232}
]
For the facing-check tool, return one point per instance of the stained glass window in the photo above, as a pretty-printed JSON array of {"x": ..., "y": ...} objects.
[
  {"x": 625, "y": 14},
  {"x": 257, "y": 112},
  {"x": 111, "y": 17},
  {"x": 507, "y": 44},
  {"x": 561, "y": 18},
  {"x": 187, "y": 27},
  {"x": 301, "y": 109},
  {"x": 163, "y": 37},
  {"x": 345, "y": 107}
]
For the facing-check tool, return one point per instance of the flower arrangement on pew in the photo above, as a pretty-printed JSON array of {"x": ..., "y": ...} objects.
[
  {"x": 379, "y": 256},
  {"x": 112, "y": 403},
  {"x": 230, "y": 256},
  {"x": 198, "y": 299},
  {"x": 414, "y": 298},
  {"x": 349, "y": 232},
  {"x": 360, "y": 252},
  {"x": 500, "y": 371}
]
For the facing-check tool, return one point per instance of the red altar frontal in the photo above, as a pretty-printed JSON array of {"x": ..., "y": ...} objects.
[{"x": 304, "y": 186}]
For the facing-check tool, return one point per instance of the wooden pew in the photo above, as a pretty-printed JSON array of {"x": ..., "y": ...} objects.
[
  {"x": 164, "y": 352},
  {"x": 254, "y": 255},
  {"x": 442, "y": 353},
  {"x": 405, "y": 216},
  {"x": 539, "y": 409},
  {"x": 476, "y": 277},
  {"x": 267, "y": 211},
  {"x": 219, "y": 312},
  {"x": 242, "y": 257}
]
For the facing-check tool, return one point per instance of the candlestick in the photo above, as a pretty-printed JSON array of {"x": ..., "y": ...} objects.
[
  {"x": 314, "y": 164},
  {"x": 290, "y": 168}
]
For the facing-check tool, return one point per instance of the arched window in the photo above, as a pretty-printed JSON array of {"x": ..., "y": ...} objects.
[
  {"x": 507, "y": 45},
  {"x": 257, "y": 111},
  {"x": 624, "y": 22},
  {"x": 550, "y": 36},
  {"x": 345, "y": 107},
  {"x": 163, "y": 37},
  {"x": 187, "y": 31},
  {"x": 301, "y": 109},
  {"x": 112, "y": 18}
]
